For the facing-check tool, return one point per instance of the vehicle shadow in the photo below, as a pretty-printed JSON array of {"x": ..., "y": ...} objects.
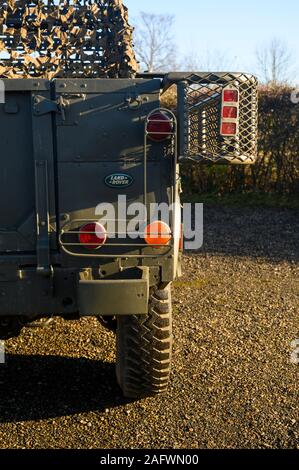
[{"x": 40, "y": 387}]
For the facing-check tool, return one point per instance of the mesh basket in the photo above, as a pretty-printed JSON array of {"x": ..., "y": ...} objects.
[{"x": 200, "y": 105}]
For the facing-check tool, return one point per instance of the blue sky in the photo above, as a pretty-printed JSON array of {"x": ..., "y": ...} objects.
[{"x": 234, "y": 28}]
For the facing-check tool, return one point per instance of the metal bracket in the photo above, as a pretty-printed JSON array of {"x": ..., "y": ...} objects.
[
  {"x": 42, "y": 106},
  {"x": 42, "y": 218}
]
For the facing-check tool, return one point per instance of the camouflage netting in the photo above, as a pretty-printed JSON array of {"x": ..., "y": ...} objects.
[{"x": 65, "y": 38}]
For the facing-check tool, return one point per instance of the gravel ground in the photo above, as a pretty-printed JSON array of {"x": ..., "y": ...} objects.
[{"x": 233, "y": 385}]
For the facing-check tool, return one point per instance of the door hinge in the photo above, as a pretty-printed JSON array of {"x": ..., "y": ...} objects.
[
  {"x": 42, "y": 219},
  {"x": 42, "y": 106}
]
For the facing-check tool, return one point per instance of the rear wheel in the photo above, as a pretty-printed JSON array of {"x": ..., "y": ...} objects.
[
  {"x": 10, "y": 327},
  {"x": 109, "y": 323},
  {"x": 144, "y": 348}
]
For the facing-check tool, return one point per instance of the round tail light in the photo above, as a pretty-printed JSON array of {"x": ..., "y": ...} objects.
[
  {"x": 157, "y": 233},
  {"x": 92, "y": 235},
  {"x": 159, "y": 126}
]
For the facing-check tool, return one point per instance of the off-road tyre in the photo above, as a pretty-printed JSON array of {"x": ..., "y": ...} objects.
[
  {"x": 144, "y": 348},
  {"x": 10, "y": 327},
  {"x": 109, "y": 323}
]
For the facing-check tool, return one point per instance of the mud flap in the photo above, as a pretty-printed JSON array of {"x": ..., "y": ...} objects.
[{"x": 127, "y": 296}]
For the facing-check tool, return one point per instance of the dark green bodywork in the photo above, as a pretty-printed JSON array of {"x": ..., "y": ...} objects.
[
  {"x": 65, "y": 146},
  {"x": 59, "y": 142}
]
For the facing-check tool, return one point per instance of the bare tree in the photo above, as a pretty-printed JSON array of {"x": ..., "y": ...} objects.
[
  {"x": 275, "y": 62},
  {"x": 154, "y": 44},
  {"x": 209, "y": 60}
]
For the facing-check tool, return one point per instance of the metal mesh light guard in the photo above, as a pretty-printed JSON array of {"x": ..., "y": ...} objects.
[
  {"x": 200, "y": 102},
  {"x": 65, "y": 38}
]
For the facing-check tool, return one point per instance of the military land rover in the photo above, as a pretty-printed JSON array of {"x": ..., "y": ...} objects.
[{"x": 81, "y": 128}]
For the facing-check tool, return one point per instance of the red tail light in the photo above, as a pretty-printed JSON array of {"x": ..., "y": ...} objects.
[
  {"x": 159, "y": 126},
  {"x": 230, "y": 112},
  {"x": 230, "y": 96},
  {"x": 229, "y": 128},
  {"x": 92, "y": 235},
  {"x": 181, "y": 242}
]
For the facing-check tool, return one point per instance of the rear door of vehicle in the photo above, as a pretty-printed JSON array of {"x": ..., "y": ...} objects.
[
  {"x": 27, "y": 185},
  {"x": 101, "y": 134}
]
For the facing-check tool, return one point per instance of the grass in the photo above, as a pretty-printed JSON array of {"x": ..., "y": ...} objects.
[{"x": 246, "y": 200}]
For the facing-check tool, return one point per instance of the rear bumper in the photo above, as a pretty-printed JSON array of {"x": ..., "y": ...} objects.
[{"x": 28, "y": 294}]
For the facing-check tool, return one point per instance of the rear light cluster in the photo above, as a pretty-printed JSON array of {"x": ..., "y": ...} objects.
[
  {"x": 93, "y": 235},
  {"x": 230, "y": 112},
  {"x": 159, "y": 126}
]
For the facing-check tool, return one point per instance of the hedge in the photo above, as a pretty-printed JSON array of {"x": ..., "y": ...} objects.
[{"x": 277, "y": 166}]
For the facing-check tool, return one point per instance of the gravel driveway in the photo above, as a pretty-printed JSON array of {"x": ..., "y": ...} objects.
[{"x": 233, "y": 385}]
